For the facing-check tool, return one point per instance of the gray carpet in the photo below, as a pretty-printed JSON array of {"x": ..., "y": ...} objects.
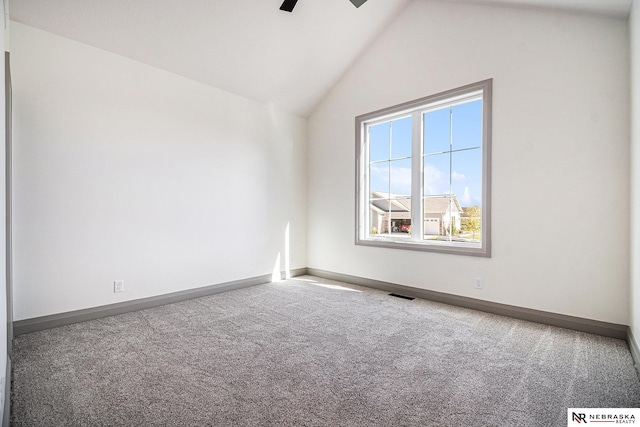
[{"x": 313, "y": 352}]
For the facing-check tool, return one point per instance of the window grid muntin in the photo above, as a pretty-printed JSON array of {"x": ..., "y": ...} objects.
[
  {"x": 389, "y": 161},
  {"x": 449, "y": 229}
]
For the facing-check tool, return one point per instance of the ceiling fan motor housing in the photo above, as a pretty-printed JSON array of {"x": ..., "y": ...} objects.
[{"x": 288, "y": 5}]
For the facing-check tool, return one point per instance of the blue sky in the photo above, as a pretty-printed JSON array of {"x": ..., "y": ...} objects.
[{"x": 390, "y": 148}]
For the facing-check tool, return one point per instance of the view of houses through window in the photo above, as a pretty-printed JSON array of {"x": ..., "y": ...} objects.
[
  {"x": 423, "y": 173},
  {"x": 451, "y": 165}
]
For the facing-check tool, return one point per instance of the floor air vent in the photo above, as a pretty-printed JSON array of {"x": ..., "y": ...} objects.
[{"x": 402, "y": 296}]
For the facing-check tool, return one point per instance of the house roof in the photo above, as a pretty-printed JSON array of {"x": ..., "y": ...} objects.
[
  {"x": 402, "y": 203},
  {"x": 439, "y": 205},
  {"x": 384, "y": 202},
  {"x": 248, "y": 47}
]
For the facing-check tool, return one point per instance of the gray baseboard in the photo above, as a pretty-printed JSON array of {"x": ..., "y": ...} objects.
[
  {"x": 56, "y": 320},
  {"x": 612, "y": 330},
  {"x": 634, "y": 348},
  {"x": 569, "y": 322},
  {"x": 6, "y": 414}
]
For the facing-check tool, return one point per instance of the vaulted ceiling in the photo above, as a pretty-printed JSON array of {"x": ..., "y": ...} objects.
[{"x": 247, "y": 47}]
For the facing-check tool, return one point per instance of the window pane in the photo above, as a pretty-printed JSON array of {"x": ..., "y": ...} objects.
[
  {"x": 471, "y": 224},
  {"x": 401, "y": 138},
  {"x": 436, "y": 131},
  {"x": 442, "y": 216},
  {"x": 466, "y": 176},
  {"x": 401, "y": 177},
  {"x": 467, "y": 185},
  {"x": 379, "y": 140},
  {"x": 379, "y": 179},
  {"x": 446, "y": 137},
  {"x": 390, "y": 216},
  {"x": 401, "y": 217},
  {"x": 467, "y": 125},
  {"x": 378, "y": 217},
  {"x": 436, "y": 174}
]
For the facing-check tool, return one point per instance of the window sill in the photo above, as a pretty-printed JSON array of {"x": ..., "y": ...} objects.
[{"x": 459, "y": 248}]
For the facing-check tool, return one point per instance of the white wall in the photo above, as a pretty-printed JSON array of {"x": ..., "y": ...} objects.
[
  {"x": 634, "y": 32},
  {"x": 124, "y": 171},
  {"x": 4, "y": 33},
  {"x": 560, "y": 144}
]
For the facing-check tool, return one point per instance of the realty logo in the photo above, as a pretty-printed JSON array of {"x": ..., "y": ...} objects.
[
  {"x": 579, "y": 418},
  {"x": 602, "y": 415}
]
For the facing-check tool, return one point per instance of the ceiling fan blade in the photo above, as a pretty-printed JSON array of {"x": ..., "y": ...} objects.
[
  {"x": 357, "y": 3},
  {"x": 288, "y": 5}
]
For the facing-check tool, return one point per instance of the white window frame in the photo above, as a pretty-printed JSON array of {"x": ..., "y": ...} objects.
[{"x": 416, "y": 109}]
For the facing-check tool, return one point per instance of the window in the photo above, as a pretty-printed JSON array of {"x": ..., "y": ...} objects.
[{"x": 423, "y": 173}]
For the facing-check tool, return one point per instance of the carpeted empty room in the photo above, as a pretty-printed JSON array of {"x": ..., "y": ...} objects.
[
  {"x": 206, "y": 208},
  {"x": 314, "y": 352}
]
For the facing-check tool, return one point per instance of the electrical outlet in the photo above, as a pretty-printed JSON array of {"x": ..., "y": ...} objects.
[
  {"x": 118, "y": 286},
  {"x": 479, "y": 284}
]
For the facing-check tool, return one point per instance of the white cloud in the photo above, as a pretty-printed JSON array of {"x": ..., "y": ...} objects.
[
  {"x": 400, "y": 179},
  {"x": 466, "y": 198},
  {"x": 458, "y": 176},
  {"x": 435, "y": 181}
]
